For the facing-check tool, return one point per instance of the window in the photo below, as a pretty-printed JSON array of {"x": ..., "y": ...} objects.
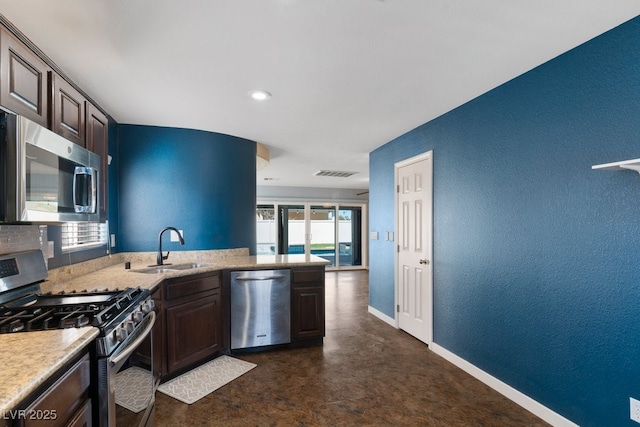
[{"x": 83, "y": 235}]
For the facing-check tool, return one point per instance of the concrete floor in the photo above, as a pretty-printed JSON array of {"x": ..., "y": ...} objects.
[{"x": 367, "y": 373}]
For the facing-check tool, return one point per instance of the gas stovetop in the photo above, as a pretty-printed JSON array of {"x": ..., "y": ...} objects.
[
  {"x": 33, "y": 312},
  {"x": 118, "y": 314}
]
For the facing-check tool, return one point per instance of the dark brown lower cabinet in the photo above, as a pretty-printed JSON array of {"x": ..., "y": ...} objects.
[
  {"x": 192, "y": 310},
  {"x": 308, "y": 313},
  {"x": 307, "y": 304},
  {"x": 191, "y": 331},
  {"x": 65, "y": 403},
  {"x": 192, "y": 324}
]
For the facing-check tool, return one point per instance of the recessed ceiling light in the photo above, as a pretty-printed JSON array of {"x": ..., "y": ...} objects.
[{"x": 260, "y": 95}]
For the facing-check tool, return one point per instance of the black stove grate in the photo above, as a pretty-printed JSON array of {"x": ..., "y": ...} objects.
[{"x": 67, "y": 310}]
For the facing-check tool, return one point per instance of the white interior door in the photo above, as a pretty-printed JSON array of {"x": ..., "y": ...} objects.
[{"x": 414, "y": 266}]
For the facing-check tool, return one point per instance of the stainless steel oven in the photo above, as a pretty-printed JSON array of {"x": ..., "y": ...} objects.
[
  {"x": 126, "y": 381},
  {"x": 123, "y": 363}
]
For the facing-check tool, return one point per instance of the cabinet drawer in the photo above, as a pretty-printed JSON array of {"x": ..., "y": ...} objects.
[
  {"x": 176, "y": 288},
  {"x": 308, "y": 276},
  {"x": 64, "y": 398}
]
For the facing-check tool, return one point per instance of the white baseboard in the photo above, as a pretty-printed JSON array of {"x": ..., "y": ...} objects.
[
  {"x": 380, "y": 315},
  {"x": 511, "y": 393}
]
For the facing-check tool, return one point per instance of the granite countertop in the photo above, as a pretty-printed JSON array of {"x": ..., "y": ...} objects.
[
  {"x": 30, "y": 358},
  {"x": 116, "y": 276}
]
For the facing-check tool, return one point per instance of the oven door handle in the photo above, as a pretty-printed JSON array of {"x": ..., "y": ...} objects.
[{"x": 134, "y": 345}]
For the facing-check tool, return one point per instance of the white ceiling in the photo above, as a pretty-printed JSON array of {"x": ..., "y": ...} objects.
[{"x": 347, "y": 76}]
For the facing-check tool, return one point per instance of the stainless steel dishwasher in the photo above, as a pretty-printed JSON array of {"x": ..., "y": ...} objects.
[{"x": 260, "y": 308}]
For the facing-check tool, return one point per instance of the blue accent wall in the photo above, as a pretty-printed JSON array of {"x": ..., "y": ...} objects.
[
  {"x": 201, "y": 182},
  {"x": 536, "y": 255}
]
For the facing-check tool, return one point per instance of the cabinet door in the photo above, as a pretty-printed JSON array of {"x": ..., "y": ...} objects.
[
  {"x": 97, "y": 141},
  {"x": 82, "y": 418},
  {"x": 23, "y": 80},
  {"x": 68, "y": 110},
  {"x": 64, "y": 400},
  {"x": 193, "y": 331},
  {"x": 307, "y": 313}
]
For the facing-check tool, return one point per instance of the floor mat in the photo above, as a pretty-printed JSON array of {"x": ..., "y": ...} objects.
[
  {"x": 197, "y": 383},
  {"x": 128, "y": 385}
]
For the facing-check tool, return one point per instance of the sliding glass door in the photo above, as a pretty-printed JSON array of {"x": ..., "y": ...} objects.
[
  {"x": 349, "y": 236},
  {"x": 331, "y": 231},
  {"x": 323, "y": 232},
  {"x": 291, "y": 229},
  {"x": 265, "y": 230}
]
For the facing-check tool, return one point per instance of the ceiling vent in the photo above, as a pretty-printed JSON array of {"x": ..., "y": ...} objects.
[{"x": 336, "y": 174}]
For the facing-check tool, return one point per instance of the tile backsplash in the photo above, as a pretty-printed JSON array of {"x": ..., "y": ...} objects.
[{"x": 16, "y": 238}]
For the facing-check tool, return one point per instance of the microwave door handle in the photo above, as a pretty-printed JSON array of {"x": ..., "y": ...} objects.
[
  {"x": 76, "y": 172},
  {"x": 94, "y": 190},
  {"x": 81, "y": 170}
]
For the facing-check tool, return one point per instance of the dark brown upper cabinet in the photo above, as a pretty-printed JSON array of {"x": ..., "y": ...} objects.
[
  {"x": 23, "y": 80},
  {"x": 96, "y": 133},
  {"x": 68, "y": 110}
]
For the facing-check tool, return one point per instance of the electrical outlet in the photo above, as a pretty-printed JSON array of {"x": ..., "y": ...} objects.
[
  {"x": 174, "y": 236},
  {"x": 635, "y": 409}
]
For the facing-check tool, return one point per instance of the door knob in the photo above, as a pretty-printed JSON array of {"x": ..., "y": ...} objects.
[{"x": 424, "y": 261}]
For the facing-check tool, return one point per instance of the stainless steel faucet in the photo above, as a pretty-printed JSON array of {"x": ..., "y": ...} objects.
[{"x": 161, "y": 258}]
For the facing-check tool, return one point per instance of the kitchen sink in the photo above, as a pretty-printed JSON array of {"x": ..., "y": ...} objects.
[
  {"x": 167, "y": 268},
  {"x": 186, "y": 266},
  {"x": 154, "y": 270}
]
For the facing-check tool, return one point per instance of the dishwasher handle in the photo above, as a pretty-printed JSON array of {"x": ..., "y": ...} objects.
[{"x": 257, "y": 279}]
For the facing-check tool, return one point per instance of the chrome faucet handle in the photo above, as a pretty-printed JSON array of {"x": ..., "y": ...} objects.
[{"x": 166, "y": 256}]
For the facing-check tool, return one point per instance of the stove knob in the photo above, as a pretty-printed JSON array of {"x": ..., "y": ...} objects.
[
  {"x": 121, "y": 334},
  {"x": 128, "y": 325},
  {"x": 147, "y": 306},
  {"x": 137, "y": 316}
]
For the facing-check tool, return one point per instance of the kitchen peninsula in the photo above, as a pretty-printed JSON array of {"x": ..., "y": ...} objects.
[
  {"x": 48, "y": 351},
  {"x": 110, "y": 272}
]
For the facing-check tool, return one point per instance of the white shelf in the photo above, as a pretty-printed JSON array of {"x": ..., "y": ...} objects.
[{"x": 633, "y": 165}]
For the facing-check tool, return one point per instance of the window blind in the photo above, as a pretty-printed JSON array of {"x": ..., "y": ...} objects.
[{"x": 83, "y": 235}]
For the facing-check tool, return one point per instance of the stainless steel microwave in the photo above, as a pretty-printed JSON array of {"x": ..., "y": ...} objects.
[{"x": 45, "y": 178}]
